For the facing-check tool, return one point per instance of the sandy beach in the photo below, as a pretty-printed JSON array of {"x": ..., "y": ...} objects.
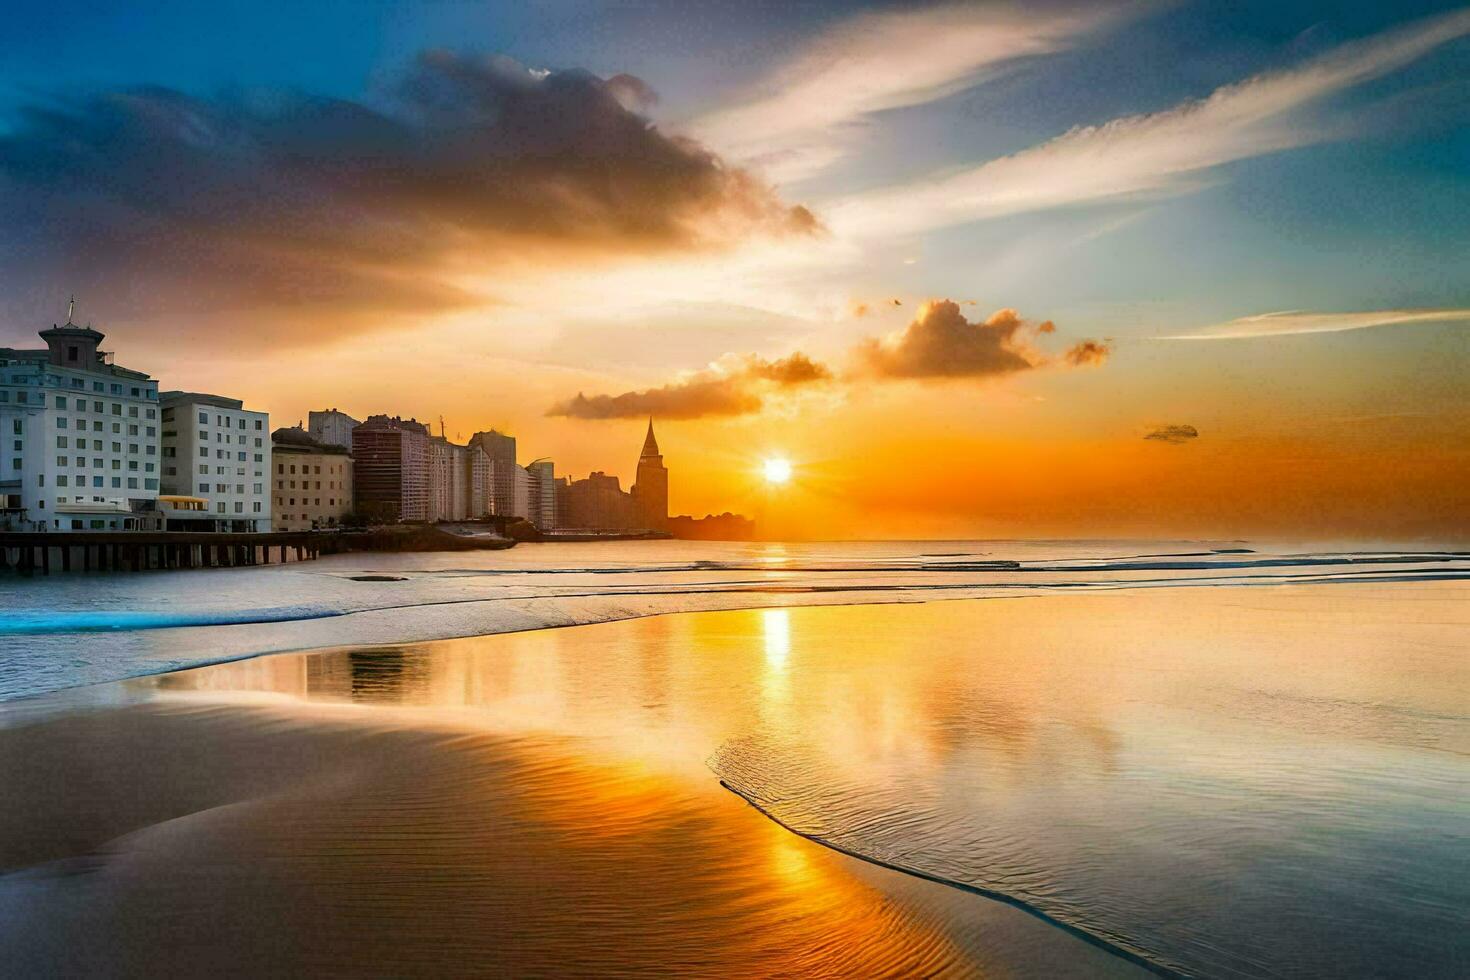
[
  {"x": 550, "y": 802},
  {"x": 185, "y": 839}
]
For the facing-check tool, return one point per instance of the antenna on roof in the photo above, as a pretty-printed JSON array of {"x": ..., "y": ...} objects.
[{"x": 71, "y": 306}]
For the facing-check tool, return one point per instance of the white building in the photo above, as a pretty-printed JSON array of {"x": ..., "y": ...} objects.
[
  {"x": 215, "y": 449},
  {"x": 449, "y": 476},
  {"x": 81, "y": 437},
  {"x": 541, "y": 506},
  {"x": 331, "y": 427}
]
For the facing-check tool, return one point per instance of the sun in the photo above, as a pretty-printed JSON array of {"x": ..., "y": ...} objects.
[{"x": 776, "y": 470}]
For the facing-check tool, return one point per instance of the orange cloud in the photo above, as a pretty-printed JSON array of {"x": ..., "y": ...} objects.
[
  {"x": 941, "y": 343},
  {"x": 733, "y": 387},
  {"x": 1087, "y": 353}
]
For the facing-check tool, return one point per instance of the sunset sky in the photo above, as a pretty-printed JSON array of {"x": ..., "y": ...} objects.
[{"x": 1166, "y": 268}]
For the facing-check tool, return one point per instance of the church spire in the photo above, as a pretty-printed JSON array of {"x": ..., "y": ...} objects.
[{"x": 650, "y": 444}]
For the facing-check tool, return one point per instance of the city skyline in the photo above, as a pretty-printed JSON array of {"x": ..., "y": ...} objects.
[
  {"x": 1006, "y": 287},
  {"x": 186, "y": 460}
]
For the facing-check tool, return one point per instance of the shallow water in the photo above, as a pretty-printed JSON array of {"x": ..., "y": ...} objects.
[{"x": 69, "y": 630}]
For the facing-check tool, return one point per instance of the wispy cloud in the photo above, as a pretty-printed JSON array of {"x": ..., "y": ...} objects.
[
  {"x": 1173, "y": 434},
  {"x": 793, "y": 124},
  {"x": 1300, "y": 321},
  {"x": 1159, "y": 153}
]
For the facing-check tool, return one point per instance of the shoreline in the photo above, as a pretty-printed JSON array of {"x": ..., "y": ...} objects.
[
  {"x": 527, "y": 776},
  {"x": 185, "y": 801}
]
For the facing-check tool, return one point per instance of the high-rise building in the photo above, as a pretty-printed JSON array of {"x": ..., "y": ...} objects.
[
  {"x": 542, "y": 486},
  {"x": 312, "y": 481},
  {"x": 477, "y": 475},
  {"x": 651, "y": 488},
  {"x": 449, "y": 496},
  {"x": 331, "y": 427},
  {"x": 81, "y": 442},
  {"x": 501, "y": 450},
  {"x": 515, "y": 501},
  {"x": 216, "y": 450},
  {"x": 390, "y": 474}
]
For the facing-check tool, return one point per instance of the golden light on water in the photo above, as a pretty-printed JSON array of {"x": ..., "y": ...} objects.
[{"x": 776, "y": 470}]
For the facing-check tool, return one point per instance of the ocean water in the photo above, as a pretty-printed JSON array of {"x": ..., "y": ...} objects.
[
  {"x": 71, "y": 630},
  {"x": 1216, "y": 759}
]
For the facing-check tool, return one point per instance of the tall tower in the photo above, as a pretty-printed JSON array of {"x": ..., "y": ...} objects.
[{"x": 651, "y": 488}]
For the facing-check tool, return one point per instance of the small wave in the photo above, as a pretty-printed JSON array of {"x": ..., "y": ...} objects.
[
  {"x": 1115, "y": 947},
  {"x": 111, "y": 621}
]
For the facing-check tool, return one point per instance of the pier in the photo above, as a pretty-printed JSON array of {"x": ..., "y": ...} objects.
[{"x": 140, "y": 551}]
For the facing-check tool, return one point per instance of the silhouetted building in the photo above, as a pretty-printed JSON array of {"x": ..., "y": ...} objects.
[
  {"x": 501, "y": 450},
  {"x": 391, "y": 469},
  {"x": 542, "y": 487},
  {"x": 713, "y": 527},
  {"x": 599, "y": 503},
  {"x": 477, "y": 476},
  {"x": 651, "y": 488}
]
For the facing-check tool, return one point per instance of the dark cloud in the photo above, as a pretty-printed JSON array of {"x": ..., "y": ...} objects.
[
  {"x": 1174, "y": 434},
  {"x": 941, "y": 343},
  {"x": 735, "y": 387},
  {"x": 632, "y": 93},
  {"x": 1088, "y": 353},
  {"x": 167, "y": 203},
  {"x": 686, "y": 400}
]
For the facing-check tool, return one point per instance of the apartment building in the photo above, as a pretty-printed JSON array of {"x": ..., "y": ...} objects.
[
  {"x": 449, "y": 480},
  {"x": 501, "y": 451},
  {"x": 216, "y": 450},
  {"x": 81, "y": 437},
  {"x": 390, "y": 476},
  {"x": 312, "y": 482}
]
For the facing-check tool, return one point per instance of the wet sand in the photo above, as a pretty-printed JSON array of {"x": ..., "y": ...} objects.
[
  {"x": 549, "y": 803},
  {"x": 188, "y": 837}
]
